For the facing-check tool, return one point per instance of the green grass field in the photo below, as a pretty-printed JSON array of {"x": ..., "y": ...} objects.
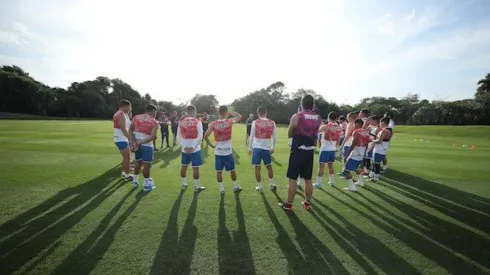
[{"x": 64, "y": 210}]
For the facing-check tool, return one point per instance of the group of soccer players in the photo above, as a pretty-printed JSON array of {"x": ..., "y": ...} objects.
[{"x": 361, "y": 138}]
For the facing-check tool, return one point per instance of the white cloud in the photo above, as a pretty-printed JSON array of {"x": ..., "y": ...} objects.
[{"x": 16, "y": 35}]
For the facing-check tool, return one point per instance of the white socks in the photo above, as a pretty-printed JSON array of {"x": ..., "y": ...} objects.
[
  {"x": 183, "y": 181},
  {"x": 259, "y": 185},
  {"x": 359, "y": 180},
  {"x": 221, "y": 186},
  {"x": 235, "y": 185},
  {"x": 136, "y": 178},
  {"x": 319, "y": 180},
  {"x": 271, "y": 182},
  {"x": 352, "y": 186},
  {"x": 331, "y": 178},
  {"x": 196, "y": 183}
]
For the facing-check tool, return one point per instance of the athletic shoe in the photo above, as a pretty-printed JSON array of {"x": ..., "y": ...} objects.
[
  {"x": 306, "y": 205},
  {"x": 352, "y": 189},
  {"x": 128, "y": 177},
  {"x": 222, "y": 191},
  {"x": 317, "y": 185},
  {"x": 286, "y": 206},
  {"x": 273, "y": 187},
  {"x": 135, "y": 184},
  {"x": 372, "y": 180},
  {"x": 237, "y": 189},
  {"x": 258, "y": 188},
  {"x": 360, "y": 183},
  {"x": 331, "y": 184},
  {"x": 184, "y": 186},
  {"x": 199, "y": 188},
  {"x": 148, "y": 188},
  {"x": 341, "y": 173}
]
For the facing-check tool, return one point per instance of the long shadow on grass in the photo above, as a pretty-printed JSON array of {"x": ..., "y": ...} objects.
[
  {"x": 179, "y": 262},
  {"x": 205, "y": 152},
  {"x": 276, "y": 162},
  {"x": 236, "y": 156},
  {"x": 318, "y": 258},
  {"x": 86, "y": 256},
  {"x": 168, "y": 244},
  {"x": 30, "y": 233},
  {"x": 435, "y": 235},
  {"x": 166, "y": 156},
  {"x": 467, "y": 208},
  {"x": 381, "y": 255},
  {"x": 235, "y": 256}
]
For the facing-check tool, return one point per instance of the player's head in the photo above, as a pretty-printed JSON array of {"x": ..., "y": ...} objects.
[
  {"x": 351, "y": 117},
  {"x": 374, "y": 120},
  {"x": 251, "y": 115},
  {"x": 174, "y": 113},
  {"x": 191, "y": 110},
  {"x": 261, "y": 111},
  {"x": 364, "y": 113},
  {"x": 125, "y": 105},
  {"x": 384, "y": 122},
  {"x": 151, "y": 110},
  {"x": 307, "y": 102},
  {"x": 389, "y": 115},
  {"x": 342, "y": 118},
  {"x": 332, "y": 116},
  {"x": 358, "y": 123},
  {"x": 223, "y": 111}
]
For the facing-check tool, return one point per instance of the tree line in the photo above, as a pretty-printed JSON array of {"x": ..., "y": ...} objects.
[{"x": 99, "y": 98}]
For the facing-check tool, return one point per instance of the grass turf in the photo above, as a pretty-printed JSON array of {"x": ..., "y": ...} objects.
[{"x": 64, "y": 210}]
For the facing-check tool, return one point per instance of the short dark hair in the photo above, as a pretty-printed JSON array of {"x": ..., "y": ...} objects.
[
  {"x": 307, "y": 102},
  {"x": 385, "y": 120},
  {"x": 359, "y": 122},
  {"x": 223, "y": 109},
  {"x": 150, "y": 107},
  {"x": 124, "y": 102},
  {"x": 342, "y": 118},
  {"x": 191, "y": 108},
  {"x": 365, "y": 112},
  {"x": 375, "y": 118},
  {"x": 261, "y": 110},
  {"x": 351, "y": 114},
  {"x": 389, "y": 114},
  {"x": 332, "y": 116}
]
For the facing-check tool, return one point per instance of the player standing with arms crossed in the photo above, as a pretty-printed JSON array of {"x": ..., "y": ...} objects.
[
  {"x": 222, "y": 130},
  {"x": 331, "y": 136},
  {"x": 143, "y": 131},
  {"x": 303, "y": 128},
  {"x": 260, "y": 147},
  {"x": 121, "y": 124},
  {"x": 189, "y": 135}
]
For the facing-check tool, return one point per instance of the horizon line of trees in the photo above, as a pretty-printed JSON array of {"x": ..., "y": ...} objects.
[{"x": 99, "y": 98}]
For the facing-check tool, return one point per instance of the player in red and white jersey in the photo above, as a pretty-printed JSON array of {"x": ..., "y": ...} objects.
[
  {"x": 143, "y": 131},
  {"x": 222, "y": 129},
  {"x": 360, "y": 141},
  {"x": 373, "y": 129},
  {"x": 381, "y": 145},
  {"x": 391, "y": 128},
  {"x": 189, "y": 135},
  {"x": 331, "y": 133},
  {"x": 263, "y": 137},
  {"x": 121, "y": 123},
  {"x": 347, "y": 142}
]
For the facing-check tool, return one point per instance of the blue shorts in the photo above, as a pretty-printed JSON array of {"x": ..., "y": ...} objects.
[
  {"x": 224, "y": 162},
  {"x": 195, "y": 158},
  {"x": 346, "y": 150},
  {"x": 259, "y": 155},
  {"x": 144, "y": 153},
  {"x": 327, "y": 156},
  {"x": 369, "y": 155},
  {"x": 121, "y": 145},
  {"x": 352, "y": 165},
  {"x": 378, "y": 158}
]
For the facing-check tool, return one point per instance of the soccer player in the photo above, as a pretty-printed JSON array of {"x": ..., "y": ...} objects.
[
  {"x": 346, "y": 143},
  {"x": 260, "y": 147},
  {"x": 174, "y": 124},
  {"x": 189, "y": 135},
  {"x": 381, "y": 145},
  {"x": 205, "y": 122},
  {"x": 249, "y": 121},
  {"x": 360, "y": 140},
  {"x": 364, "y": 115},
  {"x": 331, "y": 136},
  {"x": 343, "y": 126},
  {"x": 143, "y": 131},
  {"x": 303, "y": 128},
  {"x": 391, "y": 128},
  {"x": 373, "y": 129},
  {"x": 164, "y": 122},
  {"x": 121, "y": 136},
  {"x": 222, "y": 129}
]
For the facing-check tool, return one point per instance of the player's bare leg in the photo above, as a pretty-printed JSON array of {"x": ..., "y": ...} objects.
[
  {"x": 270, "y": 173},
  {"x": 352, "y": 186},
  {"x": 183, "y": 176},
  {"x": 195, "y": 175},
  {"x": 321, "y": 171},
  {"x": 136, "y": 172},
  {"x": 258, "y": 177}
]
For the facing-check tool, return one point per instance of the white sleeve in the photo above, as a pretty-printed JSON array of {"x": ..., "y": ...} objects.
[
  {"x": 252, "y": 135},
  {"x": 198, "y": 140},
  {"x": 274, "y": 137},
  {"x": 391, "y": 124},
  {"x": 179, "y": 137}
]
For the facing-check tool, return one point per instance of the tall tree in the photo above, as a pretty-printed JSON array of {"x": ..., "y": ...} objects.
[{"x": 205, "y": 103}]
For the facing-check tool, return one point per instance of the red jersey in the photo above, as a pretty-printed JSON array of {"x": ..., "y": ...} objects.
[
  {"x": 188, "y": 127},
  {"x": 144, "y": 123},
  {"x": 264, "y": 128}
]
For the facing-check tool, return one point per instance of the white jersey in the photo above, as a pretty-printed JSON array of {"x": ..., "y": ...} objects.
[
  {"x": 391, "y": 124},
  {"x": 263, "y": 134}
]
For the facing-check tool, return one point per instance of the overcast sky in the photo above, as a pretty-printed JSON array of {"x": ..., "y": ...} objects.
[{"x": 344, "y": 50}]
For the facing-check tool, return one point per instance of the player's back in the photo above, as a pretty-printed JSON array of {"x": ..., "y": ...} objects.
[
  {"x": 264, "y": 130},
  {"x": 306, "y": 130},
  {"x": 362, "y": 142},
  {"x": 143, "y": 126},
  {"x": 331, "y": 136},
  {"x": 222, "y": 130}
]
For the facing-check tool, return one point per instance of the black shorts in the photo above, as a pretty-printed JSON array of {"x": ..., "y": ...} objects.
[
  {"x": 300, "y": 164},
  {"x": 204, "y": 127},
  {"x": 249, "y": 129},
  {"x": 174, "y": 130}
]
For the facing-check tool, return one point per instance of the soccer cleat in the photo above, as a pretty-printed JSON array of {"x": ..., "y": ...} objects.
[
  {"x": 373, "y": 180},
  {"x": 360, "y": 183},
  {"x": 306, "y": 205},
  {"x": 128, "y": 177},
  {"x": 222, "y": 191},
  {"x": 258, "y": 188},
  {"x": 184, "y": 186},
  {"x": 135, "y": 184},
  {"x": 352, "y": 189},
  {"x": 273, "y": 187},
  {"x": 341, "y": 173},
  {"x": 286, "y": 206},
  {"x": 331, "y": 184},
  {"x": 199, "y": 188},
  {"x": 237, "y": 189},
  {"x": 317, "y": 185},
  {"x": 149, "y": 187}
]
